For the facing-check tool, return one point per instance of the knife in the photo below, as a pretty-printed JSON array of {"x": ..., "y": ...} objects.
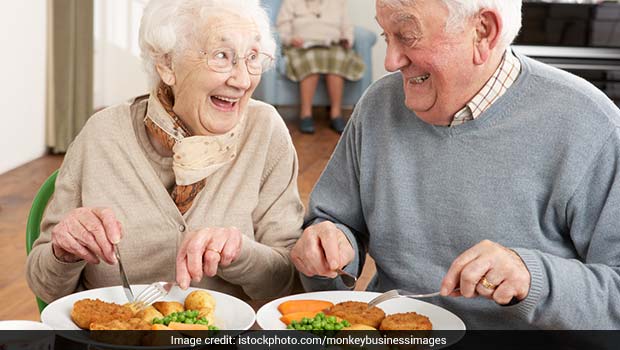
[{"x": 126, "y": 285}]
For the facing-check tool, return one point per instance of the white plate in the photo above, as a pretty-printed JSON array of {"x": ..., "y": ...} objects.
[
  {"x": 19, "y": 325},
  {"x": 230, "y": 312},
  {"x": 29, "y": 337},
  {"x": 268, "y": 316}
]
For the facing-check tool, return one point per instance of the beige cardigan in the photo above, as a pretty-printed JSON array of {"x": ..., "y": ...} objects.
[
  {"x": 296, "y": 19},
  {"x": 112, "y": 164}
]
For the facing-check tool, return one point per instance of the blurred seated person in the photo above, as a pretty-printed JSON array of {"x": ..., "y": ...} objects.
[
  {"x": 195, "y": 183},
  {"x": 318, "y": 40}
]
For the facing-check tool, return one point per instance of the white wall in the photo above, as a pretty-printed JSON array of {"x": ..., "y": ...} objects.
[
  {"x": 22, "y": 91},
  {"x": 362, "y": 13},
  {"x": 118, "y": 73}
]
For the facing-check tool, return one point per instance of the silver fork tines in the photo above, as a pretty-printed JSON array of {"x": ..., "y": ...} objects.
[
  {"x": 152, "y": 293},
  {"x": 399, "y": 293}
]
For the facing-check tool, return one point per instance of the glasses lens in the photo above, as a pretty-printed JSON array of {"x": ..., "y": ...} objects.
[
  {"x": 221, "y": 60},
  {"x": 253, "y": 60}
]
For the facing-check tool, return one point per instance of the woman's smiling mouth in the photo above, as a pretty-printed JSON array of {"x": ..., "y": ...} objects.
[{"x": 223, "y": 103}]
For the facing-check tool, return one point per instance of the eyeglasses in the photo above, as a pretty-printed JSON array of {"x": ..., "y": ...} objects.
[{"x": 223, "y": 61}]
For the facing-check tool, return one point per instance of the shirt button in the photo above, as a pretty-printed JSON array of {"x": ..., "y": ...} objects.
[{"x": 182, "y": 228}]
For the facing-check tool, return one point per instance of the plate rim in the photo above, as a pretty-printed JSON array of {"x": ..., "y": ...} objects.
[{"x": 263, "y": 309}]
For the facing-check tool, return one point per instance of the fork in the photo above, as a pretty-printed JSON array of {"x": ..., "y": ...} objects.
[
  {"x": 347, "y": 279},
  {"x": 400, "y": 293},
  {"x": 152, "y": 293}
]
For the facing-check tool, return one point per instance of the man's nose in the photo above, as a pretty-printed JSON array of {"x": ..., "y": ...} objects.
[{"x": 395, "y": 58}]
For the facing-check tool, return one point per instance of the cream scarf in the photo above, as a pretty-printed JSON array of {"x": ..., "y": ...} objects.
[{"x": 194, "y": 157}]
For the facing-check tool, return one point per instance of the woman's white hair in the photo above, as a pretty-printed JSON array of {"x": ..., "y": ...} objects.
[
  {"x": 170, "y": 26},
  {"x": 461, "y": 10}
]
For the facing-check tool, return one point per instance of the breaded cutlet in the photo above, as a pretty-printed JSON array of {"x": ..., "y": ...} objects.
[
  {"x": 357, "y": 313},
  {"x": 408, "y": 321},
  {"x": 87, "y": 311},
  {"x": 132, "y": 324}
]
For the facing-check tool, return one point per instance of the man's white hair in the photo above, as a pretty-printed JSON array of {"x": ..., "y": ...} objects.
[
  {"x": 170, "y": 26},
  {"x": 461, "y": 10}
]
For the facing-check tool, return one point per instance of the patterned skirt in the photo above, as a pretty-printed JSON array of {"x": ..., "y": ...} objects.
[{"x": 323, "y": 60}]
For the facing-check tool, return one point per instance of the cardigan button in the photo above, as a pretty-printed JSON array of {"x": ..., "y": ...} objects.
[{"x": 182, "y": 228}]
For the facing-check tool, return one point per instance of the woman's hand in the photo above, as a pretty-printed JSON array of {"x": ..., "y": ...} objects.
[
  {"x": 297, "y": 42},
  {"x": 204, "y": 250},
  {"x": 87, "y": 234},
  {"x": 321, "y": 249},
  {"x": 490, "y": 270}
]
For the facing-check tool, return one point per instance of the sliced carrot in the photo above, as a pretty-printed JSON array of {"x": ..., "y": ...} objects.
[
  {"x": 178, "y": 326},
  {"x": 297, "y": 316},
  {"x": 291, "y": 306},
  {"x": 160, "y": 327}
]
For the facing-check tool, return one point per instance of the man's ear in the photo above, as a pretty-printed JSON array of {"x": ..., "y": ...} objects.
[
  {"x": 488, "y": 27},
  {"x": 165, "y": 71}
]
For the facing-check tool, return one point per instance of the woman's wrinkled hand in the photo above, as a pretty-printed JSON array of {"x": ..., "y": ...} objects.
[
  {"x": 202, "y": 251},
  {"x": 297, "y": 42},
  {"x": 87, "y": 234},
  {"x": 490, "y": 270},
  {"x": 321, "y": 249}
]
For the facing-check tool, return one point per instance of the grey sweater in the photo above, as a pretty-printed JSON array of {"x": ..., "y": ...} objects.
[{"x": 538, "y": 172}]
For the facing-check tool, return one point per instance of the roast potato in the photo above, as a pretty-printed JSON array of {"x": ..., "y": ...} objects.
[{"x": 199, "y": 299}]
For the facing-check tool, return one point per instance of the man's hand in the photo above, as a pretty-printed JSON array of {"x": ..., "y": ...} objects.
[
  {"x": 321, "y": 250},
  {"x": 297, "y": 42},
  {"x": 490, "y": 270},
  {"x": 86, "y": 234},
  {"x": 202, "y": 251}
]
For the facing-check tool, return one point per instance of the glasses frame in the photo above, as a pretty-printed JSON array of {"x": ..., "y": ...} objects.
[{"x": 235, "y": 60}]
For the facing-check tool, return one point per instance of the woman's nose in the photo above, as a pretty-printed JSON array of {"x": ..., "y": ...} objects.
[
  {"x": 240, "y": 76},
  {"x": 395, "y": 58}
]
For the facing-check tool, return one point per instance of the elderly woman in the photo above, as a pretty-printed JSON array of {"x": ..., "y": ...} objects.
[
  {"x": 195, "y": 182},
  {"x": 317, "y": 39}
]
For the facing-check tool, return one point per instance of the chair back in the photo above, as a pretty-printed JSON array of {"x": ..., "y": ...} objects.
[{"x": 33, "y": 226}]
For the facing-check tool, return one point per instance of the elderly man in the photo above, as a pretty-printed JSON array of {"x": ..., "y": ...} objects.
[{"x": 478, "y": 169}]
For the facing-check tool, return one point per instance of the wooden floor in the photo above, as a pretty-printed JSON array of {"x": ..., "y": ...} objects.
[{"x": 18, "y": 187}]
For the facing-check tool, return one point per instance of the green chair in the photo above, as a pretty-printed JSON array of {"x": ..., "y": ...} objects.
[{"x": 33, "y": 226}]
